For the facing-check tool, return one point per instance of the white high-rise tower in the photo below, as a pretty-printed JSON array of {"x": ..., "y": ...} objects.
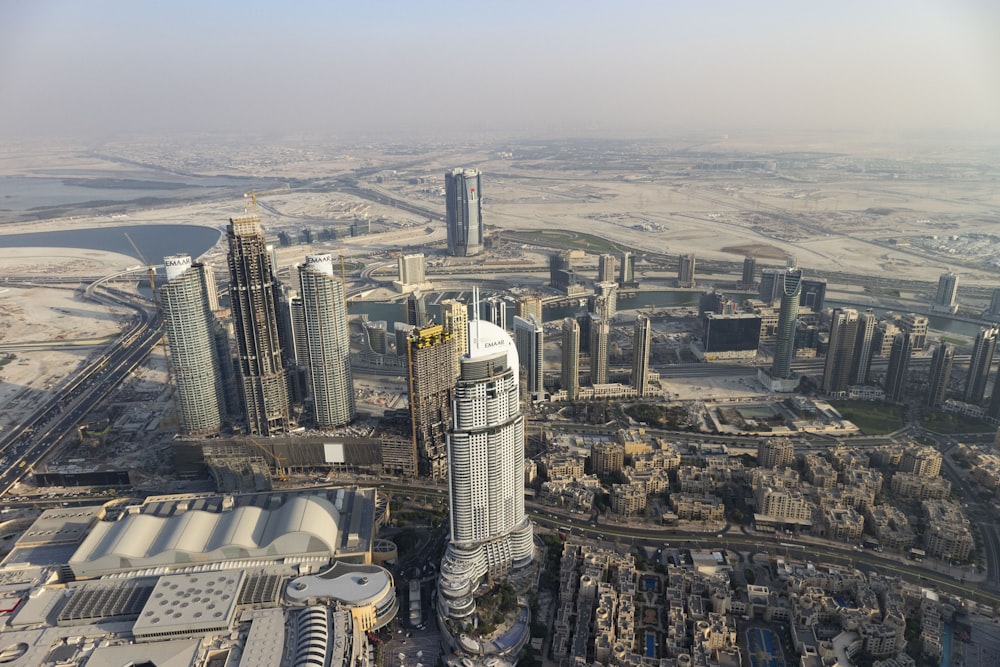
[
  {"x": 194, "y": 360},
  {"x": 490, "y": 534},
  {"x": 328, "y": 341}
]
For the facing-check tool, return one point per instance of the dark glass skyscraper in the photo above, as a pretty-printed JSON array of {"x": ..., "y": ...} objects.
[
  {"x": 253, "y": 293},
  {"x": 813, "y": 294},
  {"x": 864, "y": 348},
  {"x": 946, "y": 298},
  {"x": 464, "y": 212},
  {"x": 600, "y": 342},
  {"x": 979, "y": 365},
  {"x": 529, "y": 338},
  {"x": 940, "y": 374},
  {"x": 749, "y": 277},
  {"x": 899, "y": 366}
]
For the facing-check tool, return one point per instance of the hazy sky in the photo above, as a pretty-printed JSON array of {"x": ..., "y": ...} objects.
[{"x": 99, "y": 68}]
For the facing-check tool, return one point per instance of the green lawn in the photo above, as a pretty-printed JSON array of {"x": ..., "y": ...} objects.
[
  {"x": 944, "y": 422},
  {"x": 566, "y": 239},
  {"x": 872, "y": 418}
]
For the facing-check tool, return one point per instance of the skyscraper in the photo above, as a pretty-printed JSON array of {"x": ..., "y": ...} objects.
[
  {"x": 626, "y": 272},
  {"x": 292, "y": 328},
  {"x": 294, "y": 347},
  {"x": 641, "y": 342},
  {"x": 253, "y": 294},
  {"x": 771, "y": 285},
  {"x": 529, "y": 338},
  {"x": 916, "y": 326},
  {"x": 416, "y": 309},
  {"x": 433, "y": 368},
  {"x": 940, "y": 374},
  {"x": 605, "y": 268},
  {"x": 861, "y": 362},
  {"x": 411, "y": 270},
  {"x": 946, "y": 298},
  {"x": 600, "y": 343},
  {"x": 994, "y": 310},
  {"x": 571, "y": 358},
  {"x": 993, "y": 408},
  {"x": 979, "y": 365},
  {"x": 490, "y": 534},
  {"x": 194, "y": 362},
  {"x": 527, "y": 306},
  {"x": 685, "y": 270},
  {"x": 899, "y": 366},
  {"x": 401, "y": 333},
  {"x": 784, "y": 346},
  {"x": 464, "y": 212},
  {"x": 604, "y": 303},
  {"x": 494, "y": 309},
  {"x": 885, "y": 331},
  {"x": 455, "y": 317},
  {"x": 211, "y": 289},
  {"x": 840, "y": 353},
  {"x": 328, "y": 342},
  {"x": 813, "y": 295},
  {"x": 749, "y": 277}
]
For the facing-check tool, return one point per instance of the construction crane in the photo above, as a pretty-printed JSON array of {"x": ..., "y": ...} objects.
[
  {"x": 278, "y": 462},
  {"x": 149, "y": 267},
  {"x": 252, "y": 196}
]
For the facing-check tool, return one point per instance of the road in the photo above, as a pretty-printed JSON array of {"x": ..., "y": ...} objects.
[
  {"x": 25, "y": 444},
  {"x": 654, "y": 537}
]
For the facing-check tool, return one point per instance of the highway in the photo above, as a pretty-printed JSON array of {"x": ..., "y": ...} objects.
[{"x": 25, "y": 444}]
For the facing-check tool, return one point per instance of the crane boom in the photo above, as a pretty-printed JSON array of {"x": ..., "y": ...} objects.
[
  {"x": 274, "y": 457},
  {"x": 149, "y": 267}
]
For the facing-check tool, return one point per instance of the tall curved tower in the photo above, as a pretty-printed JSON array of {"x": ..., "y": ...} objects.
[
  {"x": 784, "y": 346},
  {"x": 490, "y": 533},
  {"x": 328, "y": 341},
  {"x": 979, "y": 365},
  {"x": 464, "y": 212},
  {"x": 194, "y": 361}
]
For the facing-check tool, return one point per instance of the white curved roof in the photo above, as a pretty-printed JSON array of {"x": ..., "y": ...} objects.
[
  {"x": 486, "y": 338},
  {"x": 354, "y": 585},
  {"x": 302, "y": 525}
]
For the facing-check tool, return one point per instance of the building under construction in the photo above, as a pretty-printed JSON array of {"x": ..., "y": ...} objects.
[
  {"x": 245, "y": 464},
  {"x": 253, "y": 294},
  {"x": 432, "y": 357}
]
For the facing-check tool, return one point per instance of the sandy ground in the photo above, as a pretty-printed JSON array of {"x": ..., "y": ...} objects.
[
  {"x": 45, "y": 332},
  {"x": 836, "y": 216}
]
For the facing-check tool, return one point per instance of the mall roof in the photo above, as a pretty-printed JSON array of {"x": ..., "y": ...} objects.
[{"x": 300, "y": 525}]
